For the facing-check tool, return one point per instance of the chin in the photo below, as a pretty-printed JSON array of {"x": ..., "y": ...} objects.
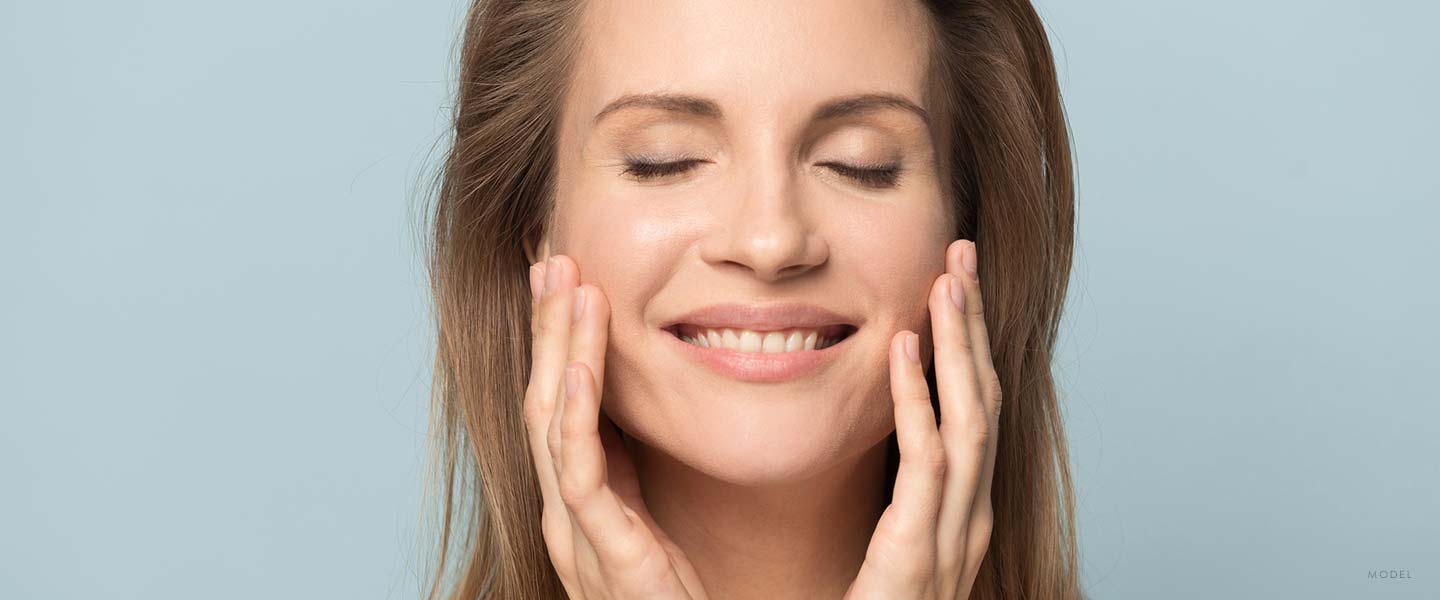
[{"x": 755, "y": 442}]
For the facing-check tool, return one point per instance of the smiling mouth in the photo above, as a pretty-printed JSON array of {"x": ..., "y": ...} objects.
[{"x": 748, "y": 341}]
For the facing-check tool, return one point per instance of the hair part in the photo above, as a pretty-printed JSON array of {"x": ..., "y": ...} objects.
[{"x": 1005, "y": 165}]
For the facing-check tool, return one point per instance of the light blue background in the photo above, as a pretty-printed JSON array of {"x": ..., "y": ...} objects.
[{"x": 214, "y": 348}]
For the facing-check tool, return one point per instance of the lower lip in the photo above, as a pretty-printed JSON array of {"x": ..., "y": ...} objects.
[{"x": 760, "y": 367}]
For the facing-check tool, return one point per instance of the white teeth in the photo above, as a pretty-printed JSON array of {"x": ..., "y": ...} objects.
[
  {"x": 749, "y": 341},
  {"x": 757, "y": 342},
  {"x": 794, "y": 342}
]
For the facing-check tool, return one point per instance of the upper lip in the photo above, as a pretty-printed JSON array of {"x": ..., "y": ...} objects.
[{"x": 768, "y": 317}]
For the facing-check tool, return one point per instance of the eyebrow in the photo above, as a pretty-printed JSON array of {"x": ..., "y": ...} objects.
[{"x": 698, "y": 106}]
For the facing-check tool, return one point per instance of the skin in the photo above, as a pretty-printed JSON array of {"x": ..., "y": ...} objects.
[{"x": 730, "y": 489}]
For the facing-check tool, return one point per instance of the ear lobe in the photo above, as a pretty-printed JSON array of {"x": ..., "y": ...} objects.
[{"x": 529, "y": 248}]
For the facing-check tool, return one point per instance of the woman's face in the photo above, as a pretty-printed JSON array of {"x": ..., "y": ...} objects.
[{"x": 760, "y": 212}]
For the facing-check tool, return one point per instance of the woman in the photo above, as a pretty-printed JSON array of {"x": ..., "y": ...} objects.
[{"x": 753, "y": 233}]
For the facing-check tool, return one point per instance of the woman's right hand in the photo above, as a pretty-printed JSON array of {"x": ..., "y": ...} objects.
[{"x": 600, "y": 537}]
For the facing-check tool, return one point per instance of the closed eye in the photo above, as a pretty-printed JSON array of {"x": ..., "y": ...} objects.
[
  {"x": 655, "y": 170},
  {"x": 878, "y": 177}
]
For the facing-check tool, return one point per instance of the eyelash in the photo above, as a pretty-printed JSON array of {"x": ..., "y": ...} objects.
[{"x": 880, "y": 177}]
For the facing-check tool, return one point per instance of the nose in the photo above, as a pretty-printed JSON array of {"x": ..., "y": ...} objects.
[{"x": 769, "y": 231}]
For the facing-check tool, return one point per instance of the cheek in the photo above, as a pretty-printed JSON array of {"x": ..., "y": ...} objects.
[
  {"x": 601, "y": 219},
  {"x": 629, "y": 254},
  {"x": 902, "y": 260},
  {"x": 615, "y": 245}
]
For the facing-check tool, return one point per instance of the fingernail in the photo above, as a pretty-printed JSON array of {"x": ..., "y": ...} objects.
[
  {"x": 912, "y": 347},
  {"x": 572, "y": 380},
  {"x": 552, "y": 274},
  {"x": 537, "y": 280},
  {"x": 957, "y": 294},
  {"x": 967, "y": 261},
  {"x": 578, "y": 307}
]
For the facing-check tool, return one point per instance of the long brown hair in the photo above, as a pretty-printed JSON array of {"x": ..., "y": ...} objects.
[{"x": 1007, "y": 171}]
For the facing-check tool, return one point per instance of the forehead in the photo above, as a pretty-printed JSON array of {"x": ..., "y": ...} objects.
[{"x": 759, "y": 59}]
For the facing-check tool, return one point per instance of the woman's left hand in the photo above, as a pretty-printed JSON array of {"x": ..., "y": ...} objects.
[{"x": 932, "y": 537}]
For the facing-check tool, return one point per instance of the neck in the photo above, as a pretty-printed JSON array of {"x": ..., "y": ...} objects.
[{"x": 797, "y": 539}]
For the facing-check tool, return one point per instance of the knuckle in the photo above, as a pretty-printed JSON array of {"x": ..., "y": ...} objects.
[
  {"x": 656, "y": 572},
  {"x": 979, "y": 433},
  {"x": 934, "y": 458},
  {"x": 568, "y": 432},
  {"x": 552, "y": 442},
  {"x": 534, "y": 413},
  {"x": 983, "y": 524},
  {"x": 558, "y": 546},
  {"x": 971, "y": 428},
  {"x": 996, "y": 393},
  {"x": 570, "y": 435},
  {"x": 574, "y": 492},
  {"x": 634, "y": 556},
  {"x": 895, "y": 558},
  {"x": 991, "y": 380},
  {"x": 919, "y": 394}
]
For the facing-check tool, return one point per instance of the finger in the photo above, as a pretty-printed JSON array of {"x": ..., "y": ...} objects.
[
  {"x": 990, "y": 392},
  {"x": 549, "y": 345},
  {"x": 588, "y": 340},
  {"x": 584, "y": 566},
  {"x": 903, "y": 545},
  {"x": 553, "y": 441},
  {"x": 590, "y": 324},
  {"x": 581, "y": 454},
  {"x": 624, "y": 546},
  {"x": 962, "y": 417},
  {"x": 981, "y": 520},
  {"x": 975, "y": 321},
  {"x": 555, "y": 520}
]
